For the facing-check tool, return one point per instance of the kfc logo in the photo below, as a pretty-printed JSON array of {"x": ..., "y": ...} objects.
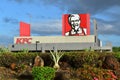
[
  {"x": 23, "y": 40},
  {"x": 76, "y": 25}
]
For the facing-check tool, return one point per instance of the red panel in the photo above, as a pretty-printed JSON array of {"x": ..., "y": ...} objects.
[
  {"x": 85, "y": 22},
  {"x": 84, "y": 25},
  {"x": 24, "y": 29}
]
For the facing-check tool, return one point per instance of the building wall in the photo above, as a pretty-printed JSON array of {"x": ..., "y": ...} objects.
[
  {"x": 57, "y": 46},
  {"x": 55, "y": 39},
  {"x": 43, "y": 43},
  {"x": 51, "y": 46}
]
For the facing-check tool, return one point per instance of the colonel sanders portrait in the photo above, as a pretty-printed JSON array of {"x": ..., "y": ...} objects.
[{"x": 76, "y": 29}]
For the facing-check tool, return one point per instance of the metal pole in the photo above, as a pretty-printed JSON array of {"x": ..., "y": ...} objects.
[{"x": 37, "y": 45}]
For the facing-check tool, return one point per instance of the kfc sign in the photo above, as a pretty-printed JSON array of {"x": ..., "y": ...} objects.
[
  {"x": 23, "y": 40},
  {"x": 75, "y": 24},
  {"x": 24, "y": 29}
]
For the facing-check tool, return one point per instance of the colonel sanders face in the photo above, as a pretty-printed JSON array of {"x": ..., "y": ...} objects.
[{"x": 74, "y": 20}]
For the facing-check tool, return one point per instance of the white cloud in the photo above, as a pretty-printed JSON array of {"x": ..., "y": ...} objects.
[
  {"x": 108, "y": 27},
  {"x": 47, "y": 27}
]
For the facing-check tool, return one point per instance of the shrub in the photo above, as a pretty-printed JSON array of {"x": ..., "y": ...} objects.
[
  {"x": 6, "y": 59},
  {"x": 116, "y": 49},
  {"x": 25, "y": 58},
  {"x": 80, "y": 58},
  {"x": 4, "y": 50},
  {"x": 43, "y": 73},
  {"x": 117, "y": 55},
  {"x": 92, "y": 73}
]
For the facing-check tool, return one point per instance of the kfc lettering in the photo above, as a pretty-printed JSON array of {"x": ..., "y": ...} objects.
[{"x": 23, "y": 40}]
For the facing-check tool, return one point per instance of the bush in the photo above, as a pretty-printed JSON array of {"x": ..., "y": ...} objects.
[
  {"x": 117, "y": 55},
  {"x": 80, "y": 58},
  {"x": 4, "y": 50},
  {"x": 92, "y": 73},
  {"x": 43, "y": 73},
  {"x": 6, "y": 59},
  {"x": 116, "y": 49},
  {"x": 25, "y": 58}
]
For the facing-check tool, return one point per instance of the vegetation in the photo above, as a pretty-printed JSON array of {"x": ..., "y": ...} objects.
[
  {"x": 18, "y": 58},
  {"x": 43, "y": 73},
  {"x": 80, "y": 58},
  {"x": 117, "y": 55},
  {"x": 88, "y": 72},
  {"x": 4, "y": 50},
  {"x": 86, "y": 65},
  {"x": 56, "y": 57},
  {"x": 116, "y": 49}
]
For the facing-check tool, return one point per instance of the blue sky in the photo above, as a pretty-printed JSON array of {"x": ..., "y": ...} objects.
[{"x": 45, "y": 17}]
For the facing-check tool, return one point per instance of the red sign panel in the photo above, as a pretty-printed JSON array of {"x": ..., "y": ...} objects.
[
  {"x": 75, "y": 24},
  {"x": 23, "y": 40},
  {"x": 24, "y": 29}
]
